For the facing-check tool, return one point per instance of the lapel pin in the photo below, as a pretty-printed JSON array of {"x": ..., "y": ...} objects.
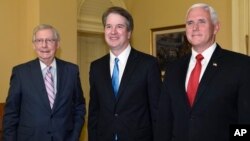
[{"x": 215, "y": 64}]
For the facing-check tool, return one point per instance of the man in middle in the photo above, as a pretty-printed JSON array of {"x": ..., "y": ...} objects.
[{"x": 124, "y": 86}]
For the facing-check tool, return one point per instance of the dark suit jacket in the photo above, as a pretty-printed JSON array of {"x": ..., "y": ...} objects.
[
  {"x": 28, "y": 116},
  {"x": 133, "y": 113},
  {"x": 223, "y": 98}
]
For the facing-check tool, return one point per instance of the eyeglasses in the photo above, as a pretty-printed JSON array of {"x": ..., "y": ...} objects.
[{"x": 47, "y": 41}]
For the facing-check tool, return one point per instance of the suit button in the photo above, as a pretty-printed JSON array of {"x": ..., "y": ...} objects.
[
  {"x": 192, "y": 118},
  {"x": 116, "y": 115},
  {"x": 49, "y": 132}
]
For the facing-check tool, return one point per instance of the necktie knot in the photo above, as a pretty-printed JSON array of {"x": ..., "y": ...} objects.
[
  {"x": 48, "y": 73},
  {"x": 199, "y": 57},
  {"x": 116, "y": 60}
]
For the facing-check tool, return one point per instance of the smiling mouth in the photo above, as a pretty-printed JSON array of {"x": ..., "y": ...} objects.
[
  {"x": 196, "y": 35},
  {"x": 44, "y": 51},
  {"x": 113, "y": 39}
]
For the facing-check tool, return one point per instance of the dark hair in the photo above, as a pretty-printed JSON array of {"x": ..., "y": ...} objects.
[{"x": 121, "y": 11}]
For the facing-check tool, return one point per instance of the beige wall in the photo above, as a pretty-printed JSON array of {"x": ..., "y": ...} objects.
[
  {"x": 160, "y": 13},
  {"x": 19, "y": 17},
  {"x": 63, "y": 15},
  {"x": 9, "y": 42}
]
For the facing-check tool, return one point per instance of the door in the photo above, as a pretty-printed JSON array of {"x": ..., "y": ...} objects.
[
  {"x": 240, "y": 26},
  {"x": 91, "y": 46}
]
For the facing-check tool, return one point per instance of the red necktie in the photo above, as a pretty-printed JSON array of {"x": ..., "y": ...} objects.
[{"x": 194, "y": 80}]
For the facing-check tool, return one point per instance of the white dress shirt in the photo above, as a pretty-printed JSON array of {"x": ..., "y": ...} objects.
[
  {"x": 206, "y": 54},
  {"x": 44, "y": 69},
  {"x": 123, "y": 57}
]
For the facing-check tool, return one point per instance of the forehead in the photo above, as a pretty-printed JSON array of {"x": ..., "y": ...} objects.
[
  {"x": 114, "y": 18},
  {"x": 198, "y": 13},
  {"x": 44, "y": 33}
]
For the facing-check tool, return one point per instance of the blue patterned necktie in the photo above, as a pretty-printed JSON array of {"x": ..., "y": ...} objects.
[{"x": 115, "y": 77}]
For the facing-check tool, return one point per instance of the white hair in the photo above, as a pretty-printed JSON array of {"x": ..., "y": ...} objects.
[{"x": 212, "y": 12}]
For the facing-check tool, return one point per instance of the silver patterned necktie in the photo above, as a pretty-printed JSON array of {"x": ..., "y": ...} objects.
[{"x": 49, "y": 84}]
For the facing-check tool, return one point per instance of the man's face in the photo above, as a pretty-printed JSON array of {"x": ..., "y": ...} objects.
[
  {"x": 200, "y": 29},
  {"x": 116, "y": 34},
  {"x": 45, "y": 45}
]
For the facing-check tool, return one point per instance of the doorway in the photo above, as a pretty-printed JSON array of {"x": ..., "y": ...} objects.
[{"x": 91, "y": 46}]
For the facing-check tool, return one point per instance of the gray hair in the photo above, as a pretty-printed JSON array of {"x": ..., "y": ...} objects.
[
  {"x": 56, "y": 35},
  {"x": 212, "y": 12}
]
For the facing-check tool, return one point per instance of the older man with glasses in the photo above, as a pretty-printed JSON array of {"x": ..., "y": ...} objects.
[{"x": 45, "y": 100}]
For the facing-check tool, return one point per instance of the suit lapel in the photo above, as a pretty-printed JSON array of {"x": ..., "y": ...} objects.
[
  {"x": 182, "y": 79},
  {"x": 36, "y": 75},
  {"x": 60, "y": 80},
  {"x": 107, "y": 78},
  {"x": 103, "y": 77},
  {"x": 212, "y": 67},
  {"x": 129, "y": 69}
]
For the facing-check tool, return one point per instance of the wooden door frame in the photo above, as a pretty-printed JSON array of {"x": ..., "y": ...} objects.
[{"x": 240, "y": 26}]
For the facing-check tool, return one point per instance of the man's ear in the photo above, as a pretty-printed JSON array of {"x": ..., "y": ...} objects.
[{"x": 216, "y": 28}]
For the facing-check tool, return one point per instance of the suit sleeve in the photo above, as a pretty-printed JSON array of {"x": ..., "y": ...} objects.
[
  {"x": 12, "y": 108},
  {"x": 164, "y": 116},
  {"x": 154, "y": 88},
  {"x": 244, "y": 96},
  {"x": 79, "y": 108},
  {"x": 93, "y": 108}
]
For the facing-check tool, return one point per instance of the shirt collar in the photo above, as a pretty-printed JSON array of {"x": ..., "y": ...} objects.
[
  {"x": 206, "y": 53},
  {"x": 43, "y": 66},
  {"x": 123, "y": 56}
]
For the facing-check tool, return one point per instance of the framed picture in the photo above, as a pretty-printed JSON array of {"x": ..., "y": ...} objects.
[{"x": 169, "y": 44}]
